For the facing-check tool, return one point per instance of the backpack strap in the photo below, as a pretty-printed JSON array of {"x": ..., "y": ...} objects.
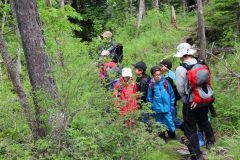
[
  {"x": 166, "y": 86},
  {"x": 152, "y": 87},
  {"x": 189, "y": 67},
  {"x": 186, "y": 66},
  {"x": 170, "y": 80}
]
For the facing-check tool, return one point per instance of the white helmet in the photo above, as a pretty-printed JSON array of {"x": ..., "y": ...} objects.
[
  {"x": 184, "y": 49},
  {"x": 126, "y": 72}
]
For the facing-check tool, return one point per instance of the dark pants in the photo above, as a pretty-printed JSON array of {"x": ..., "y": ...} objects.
[{"x": 192, "y": 118}]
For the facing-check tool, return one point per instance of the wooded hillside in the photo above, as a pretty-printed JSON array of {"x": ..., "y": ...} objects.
[{"x": 53, "y": 103}]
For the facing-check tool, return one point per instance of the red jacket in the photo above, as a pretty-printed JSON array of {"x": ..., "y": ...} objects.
[
  {"x": 104, "y": 67},
  {"x": 126, "y": 96}
]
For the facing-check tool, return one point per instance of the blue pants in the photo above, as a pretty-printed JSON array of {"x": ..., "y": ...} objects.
[
  {"x": 176, "y": 121},
  {"x": 166, "y": 119}
]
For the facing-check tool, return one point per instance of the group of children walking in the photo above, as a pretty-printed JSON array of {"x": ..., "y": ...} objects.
[
  {"x": 191, "y": 84},
  {"x": 130, "y": 95},
  {"x": 156, "y": 90}
]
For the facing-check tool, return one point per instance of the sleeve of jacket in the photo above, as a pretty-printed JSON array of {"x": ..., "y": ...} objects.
[
  {"x": 144, "y": 89},
  {"x": 171, "y": 93},
  {"x": 149, "y": 94},
  {"x": 180, "y": 79}
]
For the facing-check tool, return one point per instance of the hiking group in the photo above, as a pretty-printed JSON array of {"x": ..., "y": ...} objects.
[{"x": 190, "y": 83}]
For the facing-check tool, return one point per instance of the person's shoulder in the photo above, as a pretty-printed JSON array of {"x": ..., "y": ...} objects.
[
  {"x": 146, "y": 78},
  {"x": 180, "y": 68}
]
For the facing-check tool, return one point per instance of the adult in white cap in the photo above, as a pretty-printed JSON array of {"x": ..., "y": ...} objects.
[
  {"x": 185, "y": 53},
  {"x": 107, "y": 34},
  {"x": 197, "y": 116},
  {"x": 107, "y": 42}
]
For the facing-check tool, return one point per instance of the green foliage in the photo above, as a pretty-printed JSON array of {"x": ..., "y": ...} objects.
[
  {"x": 226, "y": 87},
  {"x": 228, "y": 148},
  {"x": 92, "y": 133},
  {"x": 221, "y": 17},
  {"x": 152, "y": 43}
]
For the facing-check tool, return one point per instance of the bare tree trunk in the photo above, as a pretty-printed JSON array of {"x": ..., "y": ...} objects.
[
  {"x": 155, "y": 4},
  {"x": 173, "y": 17},
  {"x": 141, "y": 12},
  {"x": 130, "y": 5},
  {"x": 36, "y": 58},
  {"x": 69, "y": 2},
  {"x": 1, "y": 71},
  {"x": 19, "y": 64},
  {"x": 16, "y": 30},
  {"x": 14, "y": 77},
  {"x": 49, "y": 3},
  {"x": 238, "y": 21},
  {"x": 2, "y": 31},
  {"x": 169, "y": 2},
  {"x": 61, "y": 3},
  {"x": 201, "y": 31},
  {"x": 183, "y": 2}
]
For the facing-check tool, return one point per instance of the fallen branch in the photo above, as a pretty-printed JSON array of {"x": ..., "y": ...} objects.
[
  {"x": 225, "y": 65},
  {"x": 235, "y": 74},
  {"x": 229, "y": 50}
]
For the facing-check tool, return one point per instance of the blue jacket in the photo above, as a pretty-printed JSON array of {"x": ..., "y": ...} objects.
[{"x": 162, "y": 100}]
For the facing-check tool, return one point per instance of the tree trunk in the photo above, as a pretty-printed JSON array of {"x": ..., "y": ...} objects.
[
  {"x": 16, "y": 30},
  {"x": 183, "y": 2},
  {"x": 173, "y": 17},
  {"x": 61, "y": 3},
  {"x": 130, "y": 5},
  {"x": 36, "y": 58},
  {"x": 0, "y": 71},
  {"x": 19, "y": 65},
  {"x": 201, "y": 31},
  {"x": 169, "y": 2},
  {"x": 49, "y": 3},
  {"x": 14, "y": 77},
  {"x": 141, "y": 12},
  {"x": 69, "y": 2},
  {"x": 238, "y": 21},
  {"x": 155, "y": 4}
]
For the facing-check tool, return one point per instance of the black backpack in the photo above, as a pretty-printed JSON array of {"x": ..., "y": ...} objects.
[
  {"x": 117, "y": 53},
  {"x": 174, "y": 87}
]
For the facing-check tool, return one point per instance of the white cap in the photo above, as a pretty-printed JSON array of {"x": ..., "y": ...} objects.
[
  {"x": 105, "y": 53},
  {"x": 184, "y": 49},
  {"x": 126, "y": 72},
  {"x": 107, "y": 34}
]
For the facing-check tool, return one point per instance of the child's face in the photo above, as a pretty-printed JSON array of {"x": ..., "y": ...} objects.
[
  {"x": 138, "y": 72},
  {"x": 157, "y": 76},
  {"x": 163, "y": 68}
]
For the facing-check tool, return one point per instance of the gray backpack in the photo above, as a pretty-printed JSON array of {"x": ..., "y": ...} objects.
[{"x": 199, "y": 84}]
